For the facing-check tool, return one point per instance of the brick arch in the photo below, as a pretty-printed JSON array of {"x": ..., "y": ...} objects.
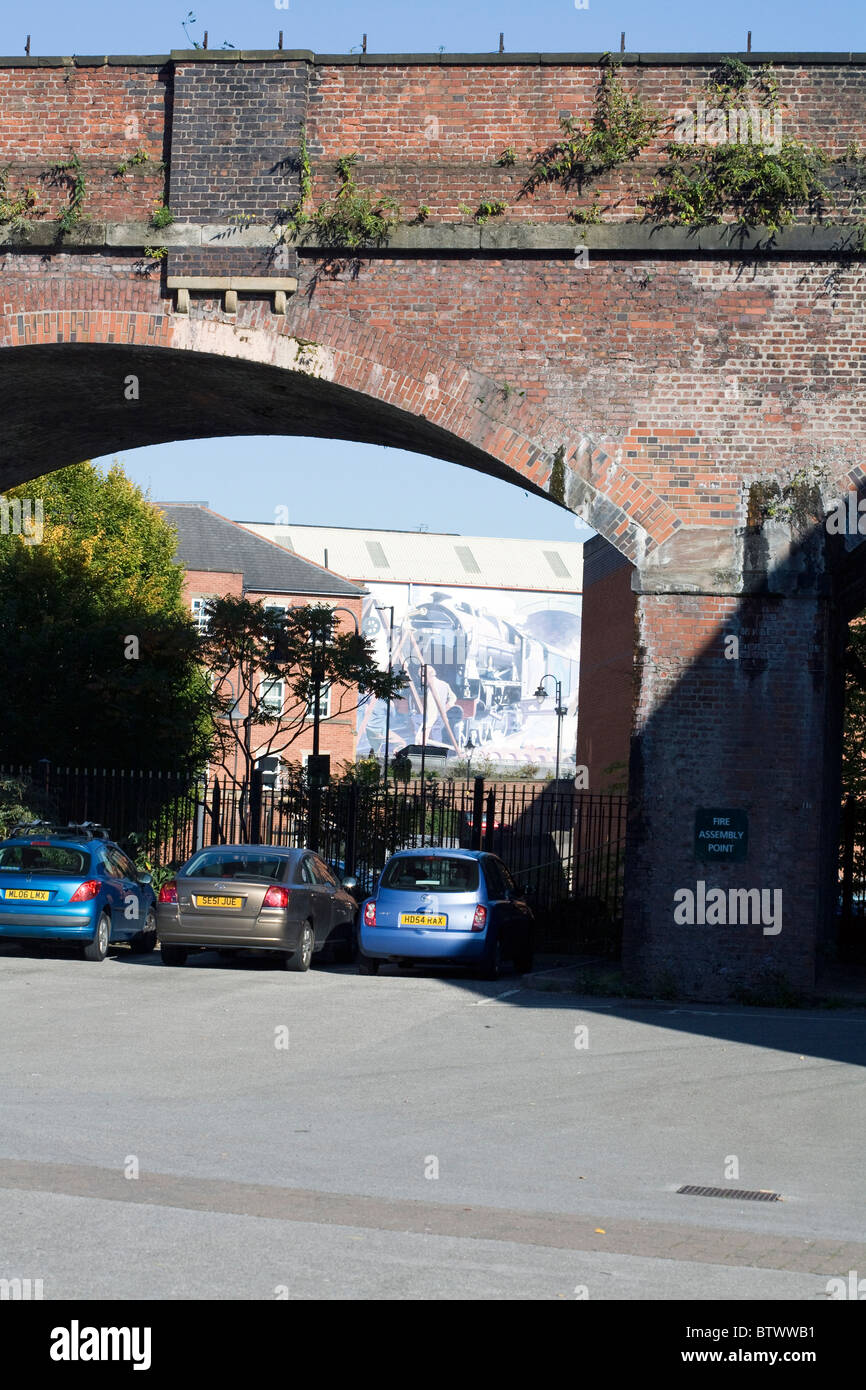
[{"x": 320, "y": 373}]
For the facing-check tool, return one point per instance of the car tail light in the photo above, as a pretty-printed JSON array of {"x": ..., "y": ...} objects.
[
  {"x": 276, "y": 897},
  {"x": 168, "y": 892},
  {"x": 85, "y": 891},
  {"x": 479, "y": 921},
  {"x": 369, "y": 914}
]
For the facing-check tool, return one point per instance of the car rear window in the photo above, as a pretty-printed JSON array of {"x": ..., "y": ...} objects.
[
  {"x": 45, "y": 859},
  {"x": 219, "y": 864},
  {"x": 438, "y": 872}
]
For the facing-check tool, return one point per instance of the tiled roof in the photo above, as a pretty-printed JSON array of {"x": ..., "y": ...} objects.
[
  {"x": 423, "y": 557},
  {"x": 210, "y": 542}
]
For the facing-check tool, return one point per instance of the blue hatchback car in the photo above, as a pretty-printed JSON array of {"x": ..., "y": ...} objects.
[
  {"x": 446, "y": 906},
  {"x": 71, "y": 885}
]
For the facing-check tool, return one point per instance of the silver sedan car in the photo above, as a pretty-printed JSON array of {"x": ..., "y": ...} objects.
[{"x": 256, "y": 897}]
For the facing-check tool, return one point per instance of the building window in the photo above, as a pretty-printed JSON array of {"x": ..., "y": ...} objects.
[
  {"x": 199, "y": 616},
  {"x": 557, "y": 564},
  {"x": 270, "y": 766},
  {"x": 324, "y": 703},
  {"x": 377, "y": 554},
  {"x": 467, "y": 559},
  {"x": 272, "y": 697}
]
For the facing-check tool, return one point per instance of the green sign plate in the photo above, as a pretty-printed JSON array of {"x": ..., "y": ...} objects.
[{"x": 721, "y": 836}]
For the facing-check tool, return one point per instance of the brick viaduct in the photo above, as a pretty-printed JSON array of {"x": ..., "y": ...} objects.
[{"x": 671, "y": 370}]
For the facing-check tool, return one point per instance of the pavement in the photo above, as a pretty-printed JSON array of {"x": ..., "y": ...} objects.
[
  {"x": 837, "y": 984},
  {"x": 232, "y": 1130}
]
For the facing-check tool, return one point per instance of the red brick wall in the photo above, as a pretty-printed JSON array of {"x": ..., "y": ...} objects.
[
  {"x": 102, "y": 114},
  {"x": 428, "y": 133},
  {"x": 604, "y": 720},
  {"x": 750, "y": 733},
  {"x": 209, "y": 583},
  {"x": 338, "y": 735}
]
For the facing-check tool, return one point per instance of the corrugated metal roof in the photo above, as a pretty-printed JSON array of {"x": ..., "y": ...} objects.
[
  {"x": 209, "y": 542},
  {"x": 424, "y": 557}
]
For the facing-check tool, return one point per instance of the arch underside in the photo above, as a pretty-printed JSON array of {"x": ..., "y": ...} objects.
[{"x": 66, "y": 402}]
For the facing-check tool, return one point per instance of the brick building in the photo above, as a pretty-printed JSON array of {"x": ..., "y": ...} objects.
[
  {"x": 606, "y": 693},
  {"x": 223, "y": 559}
]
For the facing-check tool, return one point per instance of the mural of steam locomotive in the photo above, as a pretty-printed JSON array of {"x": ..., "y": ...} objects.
[{"x": 486, "y": 670}]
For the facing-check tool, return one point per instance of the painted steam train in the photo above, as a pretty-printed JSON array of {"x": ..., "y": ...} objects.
[{"x": 492, "y": 666}]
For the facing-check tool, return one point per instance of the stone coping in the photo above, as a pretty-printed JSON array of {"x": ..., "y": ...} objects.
[
  {"x": 530, "y": 238},
  {"x": 305, "y": 55}
]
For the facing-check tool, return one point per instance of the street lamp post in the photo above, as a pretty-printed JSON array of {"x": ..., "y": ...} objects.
[
  {"x": 388, "y": 608},
  {"x": 423, "y": 749},
  {"x": 560, "y": 712},
  {"x": 470, "y": 750},
  {"x": 317, "y": 670}
]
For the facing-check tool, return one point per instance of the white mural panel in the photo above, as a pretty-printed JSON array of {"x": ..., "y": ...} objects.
[{"x": 486, "y": 651}]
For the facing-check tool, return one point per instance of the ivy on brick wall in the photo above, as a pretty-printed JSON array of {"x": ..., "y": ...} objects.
[
  {"x": 16, "y": 207},
  {"x": 702, "y": 184},
  {"x": 762, "y": 180},
  {"x": 353, "y": 218},
  {"x": 621, "y": 126},
  {"x": 732, "y": 80},
  {"x": 70, "y": 172}
]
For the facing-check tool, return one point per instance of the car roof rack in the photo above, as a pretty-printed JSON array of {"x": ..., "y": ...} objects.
[{"x": 74, "y": 830}]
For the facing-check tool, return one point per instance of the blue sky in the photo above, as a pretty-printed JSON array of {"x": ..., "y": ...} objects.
[
  {"x": 318, "y": 480},
  {"x": 336, "y": 26}
]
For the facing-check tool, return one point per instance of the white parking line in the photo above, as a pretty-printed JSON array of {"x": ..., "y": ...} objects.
[{"x": 476, "y": 1003}]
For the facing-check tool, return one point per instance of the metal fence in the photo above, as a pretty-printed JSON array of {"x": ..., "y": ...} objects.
[
  {"x": 851, "y": 902},
  {"x": 565, "y": 846}
]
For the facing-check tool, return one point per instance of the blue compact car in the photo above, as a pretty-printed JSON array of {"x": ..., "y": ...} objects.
[
  {"x": 447, "y": 907},
  {"x": 71, "y": 885}
]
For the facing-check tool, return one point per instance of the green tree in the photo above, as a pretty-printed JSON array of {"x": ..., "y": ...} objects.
[
  {"x": 265, "y": 665},
  {"x": 854, "y": 724},
  {"x": 99, "y": 650},
  {"x": 366, "y": 772},
  {"x": 22, "y": 800}
]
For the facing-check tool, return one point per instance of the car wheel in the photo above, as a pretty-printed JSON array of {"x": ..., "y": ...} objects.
[
  {"x": 302, "y": 958},
  {"x": 173, "y": 955},
  {"x": 366, "y": 966},
  {"x": 490, "y": 965},
  {"x": 97, "y": 949},
  {"x": 145, "y": 941}
]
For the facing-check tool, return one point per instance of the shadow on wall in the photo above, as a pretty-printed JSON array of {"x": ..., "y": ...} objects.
[{"x": 739, "y": 710}]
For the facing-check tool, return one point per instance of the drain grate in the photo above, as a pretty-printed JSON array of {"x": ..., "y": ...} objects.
[{"x": 740, "y": 1193}]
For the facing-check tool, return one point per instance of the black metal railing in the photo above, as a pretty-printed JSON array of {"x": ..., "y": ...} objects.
[
  {"x": 565, "y": 847},
  {"x": 850, "y": 905}
]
